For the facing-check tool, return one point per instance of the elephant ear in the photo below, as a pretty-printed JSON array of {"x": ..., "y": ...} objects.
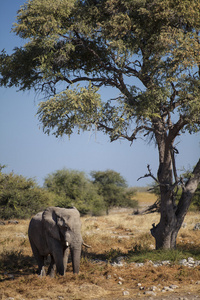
[{"x": 49, "y": 218}]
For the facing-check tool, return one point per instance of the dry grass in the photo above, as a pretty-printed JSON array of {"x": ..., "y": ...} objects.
[
  {"x": 145, "y": 198},
  {"x": 110, "y": 236}
]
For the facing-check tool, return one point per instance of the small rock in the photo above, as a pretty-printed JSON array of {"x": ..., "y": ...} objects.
[
  {"x": 126, "y": 293},
  {"x": 139, "y": 264},
  {"x": 173, "y": 286},
  {"x": 152, "y": 246},
  {"x": 153, "y": 288},
  {"x": 117, "y": 264},
  {"x": 190, "y": 260},
  {"x": 197, "y": 226},
  {"x": 11, "y": 276},
  {"x": 183, "y": 262},
  {"x": 20, "y": 234},
  {"x": 13, "y": 222},
  {"x": 168, "y": 289},
  {"x": 165, "y": 262},
  {"x": 108, "y": 276},
  {"x": 150, "y": 293},
  {"x": 120, "y": 283}
]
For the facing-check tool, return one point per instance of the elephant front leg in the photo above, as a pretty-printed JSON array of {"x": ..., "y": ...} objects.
[
  {"x": 42, "y": 272},
  {"x": 52, "y": 268},
  {"x": 58, "y": 258}
]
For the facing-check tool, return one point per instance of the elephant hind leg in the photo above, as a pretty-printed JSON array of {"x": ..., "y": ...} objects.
[
  {"x": 52, "y": 268},
  {"x": 39, "y": 259}
]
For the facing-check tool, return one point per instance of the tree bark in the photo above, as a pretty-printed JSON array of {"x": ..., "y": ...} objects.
[{"x": 172, "y": 216}]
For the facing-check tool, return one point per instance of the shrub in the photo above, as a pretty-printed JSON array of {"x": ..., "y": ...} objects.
[
  {"x": 21, "y": 197},
  {"x": 113, "y": 188},
  {"x": 74, "y": 189}
]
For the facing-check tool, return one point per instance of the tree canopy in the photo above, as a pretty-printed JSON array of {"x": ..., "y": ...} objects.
[
  {"x": 109, "y": 43},
  {"x": 148, "y": 51}
]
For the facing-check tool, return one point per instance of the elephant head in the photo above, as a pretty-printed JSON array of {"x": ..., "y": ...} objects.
[{"x": 64, "y": 225}]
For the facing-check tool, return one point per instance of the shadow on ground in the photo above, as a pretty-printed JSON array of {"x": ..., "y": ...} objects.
[{"x": 16, "y": 263}]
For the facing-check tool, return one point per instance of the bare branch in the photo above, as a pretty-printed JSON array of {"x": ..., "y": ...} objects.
[
  {"x": 173, "y": 152},
  {"x": 149, "y": 175}
]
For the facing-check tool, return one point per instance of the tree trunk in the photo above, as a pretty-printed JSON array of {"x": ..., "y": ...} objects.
[
  {"x": 172, "y": 216},
  {"x": 165, "y": 233}
]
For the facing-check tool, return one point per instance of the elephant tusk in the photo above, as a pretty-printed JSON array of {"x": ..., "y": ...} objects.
[
  {"x": 67, "y": 244},
  {"x": 87, "y": 246}
]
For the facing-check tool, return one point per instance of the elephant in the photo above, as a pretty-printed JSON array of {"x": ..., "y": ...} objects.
[{"x": 56, "y": 231}]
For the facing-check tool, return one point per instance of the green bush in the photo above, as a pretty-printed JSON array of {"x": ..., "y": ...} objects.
[
  {"x": 114, "y": 190},
  {"x": 21, "y": 197},
  {"x": 73, "y": 188}
]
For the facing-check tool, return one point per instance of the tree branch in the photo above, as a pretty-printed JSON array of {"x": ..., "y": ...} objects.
[
  {"x": 149, "y": 175},
  {"x": 188, "y": 192}
]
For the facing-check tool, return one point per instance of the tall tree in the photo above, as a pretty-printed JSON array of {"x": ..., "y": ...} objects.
[{"x": 148, "y": 50}]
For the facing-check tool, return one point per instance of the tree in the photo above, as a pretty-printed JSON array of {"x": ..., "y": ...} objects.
[
  {"x": 113, "y": 188},
  {"x": 21, "y": 197},
  {"x": 148, "y": 51},
  {"x": 73, "y": 188},
  {"x": 154, "y": 188}
]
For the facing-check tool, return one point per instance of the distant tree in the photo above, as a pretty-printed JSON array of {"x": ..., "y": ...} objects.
[
  {"x": 113, "y": 188},
  {"x": 73, "y": 188},
  {"x": 147, "y": 51},
  {"x": 21, "y": 197}
]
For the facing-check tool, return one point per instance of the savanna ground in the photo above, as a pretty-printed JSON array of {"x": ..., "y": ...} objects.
[{"x": 120, "y": 234}]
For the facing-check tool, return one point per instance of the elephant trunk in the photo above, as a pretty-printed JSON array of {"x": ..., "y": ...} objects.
[{"x": 76, "y": 256}]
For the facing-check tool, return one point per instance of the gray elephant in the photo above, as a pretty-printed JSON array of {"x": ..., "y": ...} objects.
[{"x": 56, "y": 231}]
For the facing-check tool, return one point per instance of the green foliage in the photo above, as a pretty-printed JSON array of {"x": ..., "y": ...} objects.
[
  {"x": 21, "y": 197},
  {"x": 107, "y": 43},
  {"x": 174, "y": 256},
  {"x": 73, "y": 188},
  {"x": 78, "y": 105},
  {"x": 113, "y": 188}
]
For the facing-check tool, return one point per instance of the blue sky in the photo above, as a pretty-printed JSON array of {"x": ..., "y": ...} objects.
[{"x": 27, "y": 151}]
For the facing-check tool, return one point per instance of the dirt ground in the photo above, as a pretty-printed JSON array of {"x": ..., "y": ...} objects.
[{"x": 99, "y": 278}]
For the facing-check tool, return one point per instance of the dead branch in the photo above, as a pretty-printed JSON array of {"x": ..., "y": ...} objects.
[
  {"x": 149, "y": 175},
  {"x": 150, "y": 209}
]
